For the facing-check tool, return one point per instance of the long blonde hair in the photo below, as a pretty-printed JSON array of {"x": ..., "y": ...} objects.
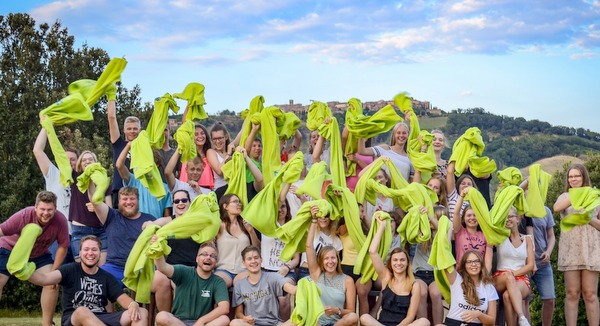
[{"x": 468, "y": 285}]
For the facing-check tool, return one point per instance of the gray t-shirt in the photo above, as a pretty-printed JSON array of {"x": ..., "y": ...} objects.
[
  {"x": 540, "y": 235},
  {"x": 260, "y": 299}
]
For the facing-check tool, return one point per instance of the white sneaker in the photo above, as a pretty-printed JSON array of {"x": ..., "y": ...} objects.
[{"x": 523, "y": 321}]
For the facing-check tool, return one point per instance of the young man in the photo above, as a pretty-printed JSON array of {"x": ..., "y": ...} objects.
[
  {"x": 201, "y": 297},
  {"x": 87, "y": 289},
  {"x": 193, "y": 168},
  {"x": 54, "y": 229},
  {"x": 255, "y": 298}
]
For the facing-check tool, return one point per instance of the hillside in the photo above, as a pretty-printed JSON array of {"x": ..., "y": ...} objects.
[{"x": 553, "y": 164}]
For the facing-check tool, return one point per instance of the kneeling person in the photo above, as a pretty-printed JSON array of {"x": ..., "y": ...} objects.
[{"x": 256, "y": 297}]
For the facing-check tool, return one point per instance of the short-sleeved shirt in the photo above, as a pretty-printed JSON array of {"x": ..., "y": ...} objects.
[
  {"x": 485, "y": 292},
  {"x": 122, "y": 234},
  {"x": 260, "y": 300},
  {"x": 56, "y": 230},
  {"x": 195, "y": 296},
  {"x": 117, "y": 147},
  {"x": 63, "y": 194},
  {"x": 86, "y": 290},
  {"x": 540, "y": 235},
  {"x": 466, "y": 241},
  {"x": 148, "y": 203},
  {"x": 180, "y": 185}
]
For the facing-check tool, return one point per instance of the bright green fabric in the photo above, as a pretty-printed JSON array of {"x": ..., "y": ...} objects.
[
  {"x": 585, "y": 200},
  {"x": 317, "y": 112},
  {"x": 110, "y": 75},
  {"x": 511, "y": 176},
  {"x": 158, "y": 120},
  {"x": 256, "y": 107},
  {"x": 331, "y": 132},
  {"x": 442, "y": 258},
  {"x": 184, "y": 136},
  {"x": 537, "y": 190},
  {"x": 96, "y": 173},
  {"x": 345, "y": 205},
  {"x": 294, "y": 232},
  {"x": 143, "y": 166},
  {"x": 139, "y": 270},
  {"x": 60, "y": 156},
  {"x": 404, "y": 104},
  {"x": 308, "y": 306},
  {"x": 424, "y": 162},
  {"x": 415, "y": 226},
  {"x": 288, "y": 125},
  {"x": 467, "y": 146},
  {"x": 271, "y": 158},
  {"x": 18, "y": 263},
  {"x": 234, "y": 173},
  {"x": 194, "y": 94},
  {"x": 364, "y": 265},
  {"x": 313, "y": 183},
  {"x": 84, "y": 87},
  {"x": 363, "y": 191},
  {"x": 354, "y": 110},
  {"x": 262, "y": 210},
  {"x": 493, "y": 223}
]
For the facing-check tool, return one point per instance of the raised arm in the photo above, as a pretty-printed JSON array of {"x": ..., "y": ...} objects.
[
  {"x": 318, "y": 150},
  {"x": 113, "y": 125},
  {"x": 120, "y": 164},
  {"x": 450, "y": 180},
  {"x": 259, "y": 182},
  {"x": 362, "y": 150},
  {"x": 311, "y": 253},
  {"x": 38, "y": 151},
  {"x": 374, "y": 252},
  {"x": 163, "y": 266},
  {"x": 297, "y": 140},
  {"x": 456, "y": 223},
  {"x": 251, "y": 137},
  {"x": 170, "y": 168},
  {"x": 451, "y": 275},
  {"x": 101, "y": 208}
]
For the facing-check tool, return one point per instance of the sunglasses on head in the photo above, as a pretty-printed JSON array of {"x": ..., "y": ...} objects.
[{"x": 182, "y": 200}]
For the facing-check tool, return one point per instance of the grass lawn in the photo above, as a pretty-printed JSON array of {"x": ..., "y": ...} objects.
[
  {"x": 22, "y": 318},
  {"x": 429, "y": 123}
]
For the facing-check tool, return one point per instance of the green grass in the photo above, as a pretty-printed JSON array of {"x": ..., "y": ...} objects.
[
  {"x": 429, "y": 123},
  {"x": 23, "y": 318}
]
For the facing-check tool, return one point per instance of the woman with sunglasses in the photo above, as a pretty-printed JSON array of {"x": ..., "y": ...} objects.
[
  {"x": 183, "y": 252},
  {"x": 473, "y": 296}
]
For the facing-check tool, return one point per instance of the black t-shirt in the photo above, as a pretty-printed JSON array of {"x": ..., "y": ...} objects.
[
  {"x": 91, "y": 291},
  {"x": 183, "y": 251}
]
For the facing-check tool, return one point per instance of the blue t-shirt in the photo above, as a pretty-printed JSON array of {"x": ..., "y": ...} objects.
[
  {"x": 148, "y": 203},
  {"x": 122, "y": 234}
]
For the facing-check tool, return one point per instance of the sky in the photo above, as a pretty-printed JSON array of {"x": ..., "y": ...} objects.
[{"x": 536, "y": 59}]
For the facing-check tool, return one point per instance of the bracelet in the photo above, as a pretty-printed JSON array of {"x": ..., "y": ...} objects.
[
  {"x": 339, "y": 313},
  {"x": 288, "y": 266},
  {"x": 129, "y": 306},
  {"x": 314, "y": 220}
]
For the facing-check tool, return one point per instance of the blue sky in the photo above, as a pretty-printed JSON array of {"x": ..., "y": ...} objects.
[{"x": 533, "y": 59}]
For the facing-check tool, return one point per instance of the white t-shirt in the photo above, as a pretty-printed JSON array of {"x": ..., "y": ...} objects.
[
  {"x": 63, "y": 195},
  {"x": 321, "y": 240},
  {"x": 180, "y": 185},
  {"x": 486, "y": 293}
]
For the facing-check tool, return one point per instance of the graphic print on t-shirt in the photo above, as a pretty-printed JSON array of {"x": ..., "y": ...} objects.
[{"x": 90, "y": 295}]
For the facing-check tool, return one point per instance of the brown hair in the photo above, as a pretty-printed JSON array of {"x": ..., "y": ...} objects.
[
  {"x": 78, "y": 167},
  {"x": 410, "y": 277},
  {"x": 219, "y": 126},
  {"x": 90, "y": 237},
  {"x": 46, "y": 197},
  {"x": 129, "y": 190},
  {"x": 207, "y": 144},
  {"x": 250, "y": 249},
  {"x": 584, "y": 174},
  {"x": 321, "y": 258},
  {"x": 225, "y": 215},
  {"x": 468, "y": 286}
]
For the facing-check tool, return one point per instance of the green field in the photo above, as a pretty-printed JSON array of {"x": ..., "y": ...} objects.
[
  {"x": 22, "y": 318},
  {"x": 428, "y": 123}
]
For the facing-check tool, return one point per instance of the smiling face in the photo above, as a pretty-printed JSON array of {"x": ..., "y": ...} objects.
[
  {"x": 194, "y": 170},
  {"x": 381, "y": 177},
  {"x": 314, "y": 136},
  {"x": 435, "y": 185},
  {"x": 181, "y": 203},
  {"x": 473, "y": 264},
  {"x": 89, "y": 253},
  {"x": 575, "y": 178},
  {"x": 44, "y": 212},
  {"x": 330, "y": 260},
  {"x": 128, "y": 205},
  {"x": 469, "y": 218},
  {"x": 399, "y": 262},
  {"x": 131, "y": 130},
  {"x": 206, "y": 259},
  {"x": 464, "y": 184},
  {"x": 513, "y": 219},
  {"x": 219, "y": 139},
  {"x": 256, "y": 149},
  {"x": 87, "y": 158},
  {"x": 439, "y": 141},
  {"x": 252, "y": 261},
  {"x": 199, "y": 137},
  {"x": 400, "y": 134}
]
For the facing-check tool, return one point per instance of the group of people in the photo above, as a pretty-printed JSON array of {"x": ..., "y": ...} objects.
[{"x": 243, "y": 271}]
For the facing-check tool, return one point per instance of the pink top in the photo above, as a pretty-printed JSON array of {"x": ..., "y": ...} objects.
[
  {"x": 56, "y": 229},
  {"x": 206, "y": 179},
  {"x": 352, "y": 180},
  {"x": 466, "y": 241}
]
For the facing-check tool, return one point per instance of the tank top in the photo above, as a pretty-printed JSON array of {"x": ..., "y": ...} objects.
[
  {"x": 394, "y": 307},
  {"x": 511, "y": 258}
]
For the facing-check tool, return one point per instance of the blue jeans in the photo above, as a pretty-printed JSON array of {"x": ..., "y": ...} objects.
[
  {"x": 544, "y": 282},
  {"x": 80, "y": 231}
]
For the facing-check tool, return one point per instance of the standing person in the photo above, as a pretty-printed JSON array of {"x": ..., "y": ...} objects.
[
  {"x": 131, "y": 128},
  {"x": 54, "y": 228},
  {"x": 579, "y": 252},
  {"x": 194, "y": 170},
  {"x": 439, "y": 144},
  {"x": 165, "y": 153},
  {"x": 515, "y": 260},
  {"x": 203, "y": 144},
  {"x": 220, "y": 152},
  {"x": 87, "y": 289},
  {"x": 255, "y": 297},
  {"x": 401, "y": 293},
  {"x": 543, "y": 276},
  {"x": 338, "y": 293},
  {"x": 474, "y": 299},
  {"x": 201, "y": 297}
]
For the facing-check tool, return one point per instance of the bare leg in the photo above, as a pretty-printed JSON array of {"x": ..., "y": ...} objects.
[
  {"x": 83, "y": 316},
  {"x": 161, "y": 286},
  {"x": 226, "y": 278},
  {"x": 589, "y": 285},
  {"x": 547, "y": 311},
  {"x": 422, "y": 312},
  {"x": 572, "y": 295},
  {"x": 437, "y": 306},
  {"x": 362, "y": 292},
  {"x": 143, "y": 321},
  {"x": 164, "y": 318}
]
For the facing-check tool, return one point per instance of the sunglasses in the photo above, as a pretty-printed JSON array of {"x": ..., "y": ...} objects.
[{"x": 182, "y": 200}]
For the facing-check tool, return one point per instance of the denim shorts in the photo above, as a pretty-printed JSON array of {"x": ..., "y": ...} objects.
[
  {"x": 43, "y": 260},
  {"x": 80, "y": 231},
  {"x": 425, "y": 276},
  {"x": 544, "y": 282},
  {"x": 230, "y": 274}
]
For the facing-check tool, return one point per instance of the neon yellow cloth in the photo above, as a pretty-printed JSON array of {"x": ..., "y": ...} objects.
[
  {"x": 60, "y": 156},
  {"x": 467, "y": 146},
  {"x": 364, "y": 265},
  {"x": 441, "y": 257},
  {"x": 363, "y": 191},
  {"x": 317, "y": 112},
  {"x": 294, "y": 232},
  {"x": 511, "y": 176},
  {"x": 158, "y": 120},
  {"x": 184, "y": 136},
  {"x": 331, "y": 132},
  {"x": 537, "y": 190},
  {"x": 345, "y": 206},
  {"x": 261, "y": 212},
  {"x": 84, "y": 87},
  {"x": 194, "y": 94},
  {"x": 313, "y": 183},
  {"x": 256, "y": 107},
  {"x": 308, "y": 307},
  {"x": 415, "y": 226},
  {"x": 18, "y": 263},
  {"x": 493, "y": 223},
  {"x": 201, "y": 223},
  {"x": 404, "y": 104},
  {"x": 585, "y": 200},
  {"x": 271, "y": 159},
  {"x": 110, "y": 75},
  {"x": 424, "y": 162},
  {"x": 234, "y": 172},
  {"x": 96, "y": 173},
  {"x": 143, "y": 166},
  {"x": 287, "y": 125}
]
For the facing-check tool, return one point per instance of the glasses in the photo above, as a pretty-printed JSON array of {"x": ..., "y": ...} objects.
[
  {"x": 575, "y": 176},
  {"x": 512, "y": 216},
  {"x": 182, "y": 200},
  {"x": 205, "y": 254},
  {"x": 473, "y": 262},
  {"x": 218, "y": 138},
  {"x": 235, "y": 201}
]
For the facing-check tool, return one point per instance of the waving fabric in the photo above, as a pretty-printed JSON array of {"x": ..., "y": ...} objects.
[
  {"x": 364, "y": 264},
  {"x": 96, "y": 173},
  {"x": 537, "y": 190},
  {"x": 194, "y": 94},
  {"x": 143, "y": 166}
]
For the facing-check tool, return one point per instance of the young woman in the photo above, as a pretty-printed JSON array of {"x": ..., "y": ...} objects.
[
  {"x": 396, "y": 150},
  {"x": 382, "y": 202},
  {"x": 219, "y": 153},
  {"x": 455, "y": 187},
  {"x": 473, "y": 296},
  {"x": 468, "y": 235},
  {"x": 515, "y": 260},
  {"x": 401, "y": 293},
  {"x": 338, "y": 293},
  {"x": 439, "y": 143},
  {"x": 579, "y": 253},
  {"x": 203, "y": 144},
  {"x": 234, "y": 235}
]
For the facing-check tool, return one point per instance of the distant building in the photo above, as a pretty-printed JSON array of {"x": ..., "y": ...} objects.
[{"x": 368, "y": 107}]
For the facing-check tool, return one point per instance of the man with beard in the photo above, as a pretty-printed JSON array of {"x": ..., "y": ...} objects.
[
  {"x": 201, "y": 297},
  {"x": 87, "y": 289},
  {"x": 53, "y": 229},
  {"x": 123, "y": 226}
]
